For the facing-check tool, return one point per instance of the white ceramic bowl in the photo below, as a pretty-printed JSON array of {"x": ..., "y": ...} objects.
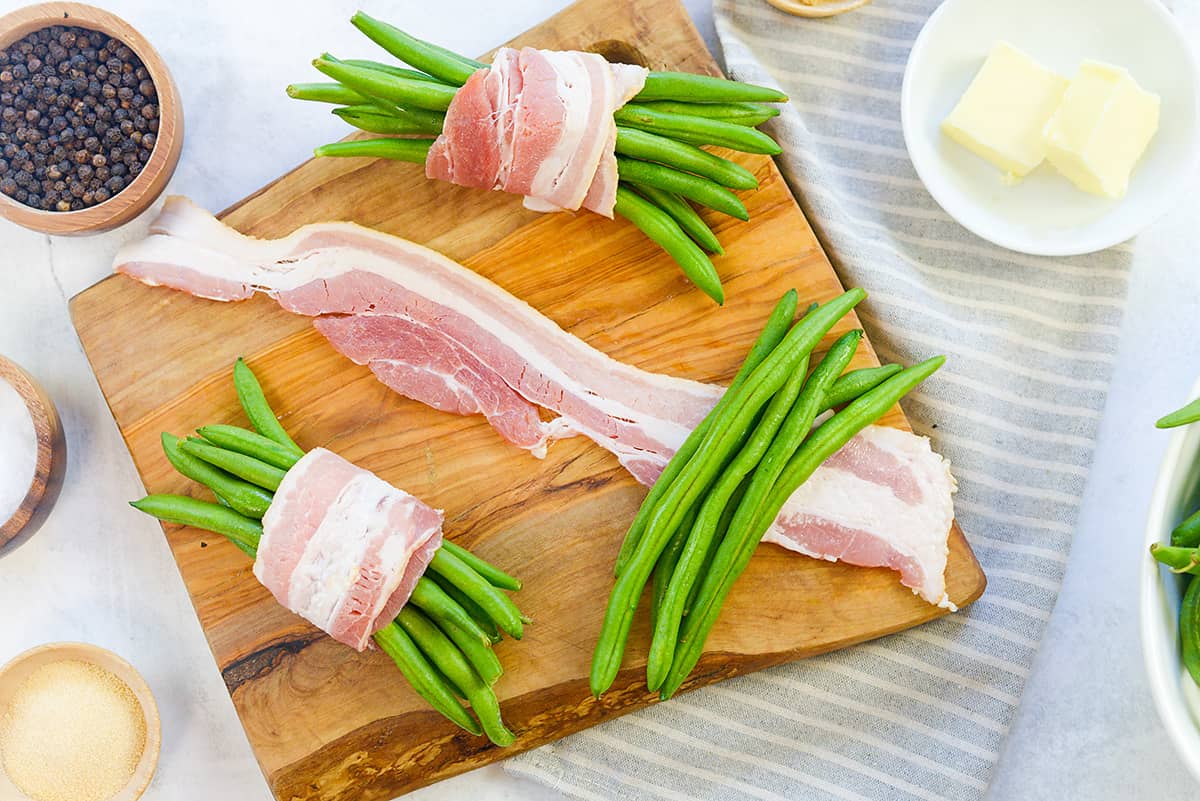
[
  {"x": 1045, "y": 214},
  {"x": 1176, "y": 495}
]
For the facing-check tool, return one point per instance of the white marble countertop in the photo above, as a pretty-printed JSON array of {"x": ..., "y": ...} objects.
[{"x": 100, "y": 572}]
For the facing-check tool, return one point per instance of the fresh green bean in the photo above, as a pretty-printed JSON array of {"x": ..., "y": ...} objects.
[
  {"x": 1181, "y": 417},
  {"x": 370, "y": 119},
  {"x": 403, "y": 92},
  {"x": 1179, "y": 559},
  {"x": 251, "y": 443},
  {"x": 241, "y": 530},
  {"x": 696, "y": 130},
  {"x": 448, "y": 659},
  {"x": 682, "y": 156},
  {"x": 693, "y": 187},
  {"x": 325, "y": 93},
  {"x": 434, "y": 601},
  {"x": 658, "y": 225},
  {"x": 717, "y": 538},
  {"x": 665, "y": 567},
  {"x": 245, "y": 467},
  {"x": 241, "y": 496},
  {"x": 1189, "y": 629},
  {"x": 682, "y": 213},
  {"x": 479, "y": 654},
  {"x": 760, "y": 506},
  {"x": 498, "y": 605},
  {"x": 776, "y": 328},
  {"x": 494, "y": 575},
  {"x": 439, "y": 62},
  {"x": 473, "y": 609},
  {"x": 751, "y": 114},
  {"x": 254, "y": 403},
  {"x": 1187, "y": 533},
  {"x": 423, "y": 676},
  {"x": 399, "y": 72},
  {"x": 856, "y": 382},
  {"x": 725, "y": 433},
  {"x": 705, "y": 89},
  {"x": 414, "y": 150}
]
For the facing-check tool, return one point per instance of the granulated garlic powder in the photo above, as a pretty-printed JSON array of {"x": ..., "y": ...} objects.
[{"x": 72, "y": 732}]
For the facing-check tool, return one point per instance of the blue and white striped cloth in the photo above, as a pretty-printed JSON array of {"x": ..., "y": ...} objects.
[{"x": 1031, "y": 343}]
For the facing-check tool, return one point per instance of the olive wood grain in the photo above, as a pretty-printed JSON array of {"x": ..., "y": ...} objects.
[{"x": 328, "y": 723}]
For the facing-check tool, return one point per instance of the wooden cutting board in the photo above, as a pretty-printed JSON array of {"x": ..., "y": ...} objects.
[{"x": 328, "y": 723}]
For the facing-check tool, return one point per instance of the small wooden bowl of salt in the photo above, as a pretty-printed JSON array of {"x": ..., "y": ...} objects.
[
  {"x": 33, "y": 454},
  {"x": 77, "y": 723}
]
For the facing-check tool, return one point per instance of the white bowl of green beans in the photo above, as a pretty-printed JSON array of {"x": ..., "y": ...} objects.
[{"x": 1176, "y": 693}]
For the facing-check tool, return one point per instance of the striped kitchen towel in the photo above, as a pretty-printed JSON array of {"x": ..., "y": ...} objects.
[{"x": 1031, "y": 343}]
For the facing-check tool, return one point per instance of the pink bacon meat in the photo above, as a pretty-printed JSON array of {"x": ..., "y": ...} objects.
[
  {"x": 344, "y": 549},
  {"x": 538, "y": 123},
  {"x": 441, "y": 334}
]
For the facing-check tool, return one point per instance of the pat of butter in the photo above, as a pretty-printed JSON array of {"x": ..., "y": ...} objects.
[
  {"x": 1101, "y": 129},
  {"x": 1001, "y": 115}
]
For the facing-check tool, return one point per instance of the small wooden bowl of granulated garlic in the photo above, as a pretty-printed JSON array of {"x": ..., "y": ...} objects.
[{"x": 77, "y": 723}]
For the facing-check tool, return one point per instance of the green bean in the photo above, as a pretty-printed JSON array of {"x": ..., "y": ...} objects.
[
  {"x": 1187, "y": 533},
  {"x": 414, "y": 150},
  {"x": 254, "y": 403},
  {"x": 1181, "y": 417},
  {"x": 751, "y": 114},
  {"x": 705, "y": 89},
  {"x": 437, "y": 61},
  {"x": 498, "y": 605},
  {"x": 241, "y": 496},
  {"x": 665, "y": 567},
  {"x": 764, "y": 498},
  {"x": 726, "y": 431},
  {"x": 702, "y": 190},
  {"x": 404, "y": 92},
  {"x": 245, "y": 467},
  {"x": 325, "y": 93},
  {"x": 682, "y": 156},
  {"x": 1180, "y": 560},
  {"x": 434, "y": 601},
  {"x": 658, "y": 225},
  {"x": 494, "y": 575},
  {"x": 696, "y": 130},
  {"x": 856, "y": 382},
  {"x": 683, "y": 214},
  {"x": 479, "y": 654},
  {"x": 251, "y": 443},
  {"x": 448, "y": 659},
  {"x": 239, "y": 529},
  {"x": 717, "y": 538},
  {"x": 1189, "y": 630},
  {"x": 473, "y": 609},
  {"x": 399, "y": 72},
  {"x": 424, "y": 677},
  {"x": 370, "y": 119},
  {"x": 777, "y": 325}
]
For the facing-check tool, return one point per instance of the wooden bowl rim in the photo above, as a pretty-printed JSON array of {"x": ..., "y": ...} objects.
[
  {"x": 43, "y": 414},
  {"x": 11, "y": 674},
  {"x": 138, "y": 195}
]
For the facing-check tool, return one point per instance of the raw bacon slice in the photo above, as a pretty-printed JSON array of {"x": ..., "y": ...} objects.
[
  {"x": 538, "y": 123},
  {"x": 437, "y": 332},
  {"x": 342, "y": 548}
]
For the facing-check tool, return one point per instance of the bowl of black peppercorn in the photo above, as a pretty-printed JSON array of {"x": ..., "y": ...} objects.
[{"x": 91, "y": 124}]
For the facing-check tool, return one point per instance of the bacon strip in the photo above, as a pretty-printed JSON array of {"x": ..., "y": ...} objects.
[
  {"x": 538, "y": 123},
  {"x": 344, "y": 549},
  {"x": 437, "y": 332}
]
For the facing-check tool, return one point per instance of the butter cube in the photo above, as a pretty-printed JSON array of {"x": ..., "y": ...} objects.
[
  {"x": 1001, "y": 115},
  {"x": 1101, "y": 129}
]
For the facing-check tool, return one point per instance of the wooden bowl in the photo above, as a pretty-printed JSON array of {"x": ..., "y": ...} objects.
[
  {"x": 150, "y": 182},
  {"x": 21, "y": 666},
  {"x": 51, "y": 455},
  {"x": 817, "y": 8}
]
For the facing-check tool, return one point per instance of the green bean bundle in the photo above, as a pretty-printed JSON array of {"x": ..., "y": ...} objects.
[
  {"x": 442, "y": 638},
  {"x": 659, "y": 136}
]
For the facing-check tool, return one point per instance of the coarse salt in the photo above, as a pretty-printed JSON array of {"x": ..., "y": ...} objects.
[
  {"x": 18, "y": 450},
  {"x": 73, "y": 731}
]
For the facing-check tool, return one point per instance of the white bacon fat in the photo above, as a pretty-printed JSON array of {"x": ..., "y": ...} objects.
[
  {"x": 440, "y": 334},
  {"x": 538, "y": 123}
]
